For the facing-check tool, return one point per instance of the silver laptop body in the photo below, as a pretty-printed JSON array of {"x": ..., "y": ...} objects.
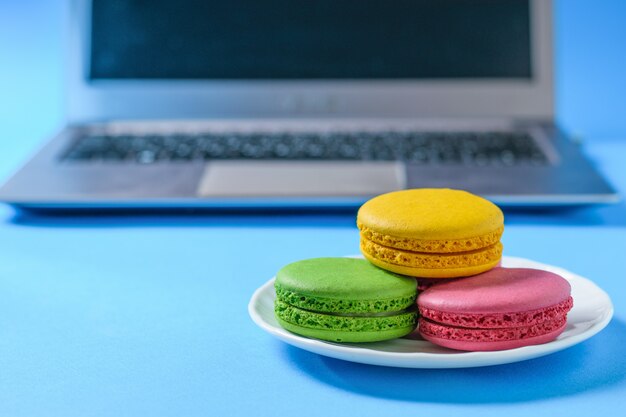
[{"x": 212, "y": 104}]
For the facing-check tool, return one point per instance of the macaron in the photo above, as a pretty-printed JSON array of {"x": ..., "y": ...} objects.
[
  {"x": 504, "y": 308},
  {"x": 431, "y": 232},
  {"x": 344, "y": 300}
]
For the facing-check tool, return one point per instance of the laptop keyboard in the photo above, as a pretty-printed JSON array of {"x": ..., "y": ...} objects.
[{"x": 468, "y": 148}]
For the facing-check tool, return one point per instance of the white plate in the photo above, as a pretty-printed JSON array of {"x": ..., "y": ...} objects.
[{"x": 591, "y": 313}]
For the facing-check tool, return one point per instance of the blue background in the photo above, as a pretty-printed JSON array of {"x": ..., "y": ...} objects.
[{"x": 127, "y": 316}]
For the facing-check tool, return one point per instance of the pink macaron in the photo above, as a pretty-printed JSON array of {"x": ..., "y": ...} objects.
[{"x": 504, "y": 308}]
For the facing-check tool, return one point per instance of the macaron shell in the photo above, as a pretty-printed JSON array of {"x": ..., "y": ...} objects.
[
  {"x": 345, "y": 336},
  {"x": 431, "y": 214},
  {"x": 501, "y": 290},
  {"x": 499, "y": 320},
  {"x": 434, "y": 269},
  {"x": 468, "y": 243},
  {"x": 345, "y": 328},
  {"x": 343, "y": 279},
  {"x": 359, "y": 323},
  {"x": 432, "y": 260},
  {"x": 345, "y": 306},
  {"x": 491, "y": 342}
]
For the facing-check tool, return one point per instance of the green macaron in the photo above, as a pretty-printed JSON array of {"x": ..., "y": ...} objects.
[{"x": 344, "y": 300}]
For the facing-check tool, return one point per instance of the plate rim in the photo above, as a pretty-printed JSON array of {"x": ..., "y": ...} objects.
[{"x": 425, "y": 360}]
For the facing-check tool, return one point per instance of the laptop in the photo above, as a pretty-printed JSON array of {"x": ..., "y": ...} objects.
[{"x": 326, "y": 103}]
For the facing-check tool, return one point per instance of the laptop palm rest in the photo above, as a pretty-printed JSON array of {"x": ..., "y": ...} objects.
[{"x": 300, "y": 178}]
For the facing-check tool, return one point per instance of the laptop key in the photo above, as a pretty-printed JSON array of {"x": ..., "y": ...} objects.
[{"x": 145, "y": 157}]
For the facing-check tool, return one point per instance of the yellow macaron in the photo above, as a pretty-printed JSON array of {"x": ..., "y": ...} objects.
[{"x": 431, "y": 232}]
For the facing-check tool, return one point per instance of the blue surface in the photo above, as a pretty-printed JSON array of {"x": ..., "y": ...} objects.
[{"x": 127, "y": 316}]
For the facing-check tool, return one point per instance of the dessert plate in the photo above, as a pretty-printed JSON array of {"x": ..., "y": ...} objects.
[{"x": 591, "y": 313}]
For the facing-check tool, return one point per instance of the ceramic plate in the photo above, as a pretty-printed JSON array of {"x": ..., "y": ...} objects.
[{"x": 591, "y": 313}]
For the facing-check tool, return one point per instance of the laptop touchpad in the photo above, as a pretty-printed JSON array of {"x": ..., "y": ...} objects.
[{"x": 301, "y": 178}]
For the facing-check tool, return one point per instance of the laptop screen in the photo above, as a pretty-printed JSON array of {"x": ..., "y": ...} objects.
[{"x": 310, "y": 39}]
